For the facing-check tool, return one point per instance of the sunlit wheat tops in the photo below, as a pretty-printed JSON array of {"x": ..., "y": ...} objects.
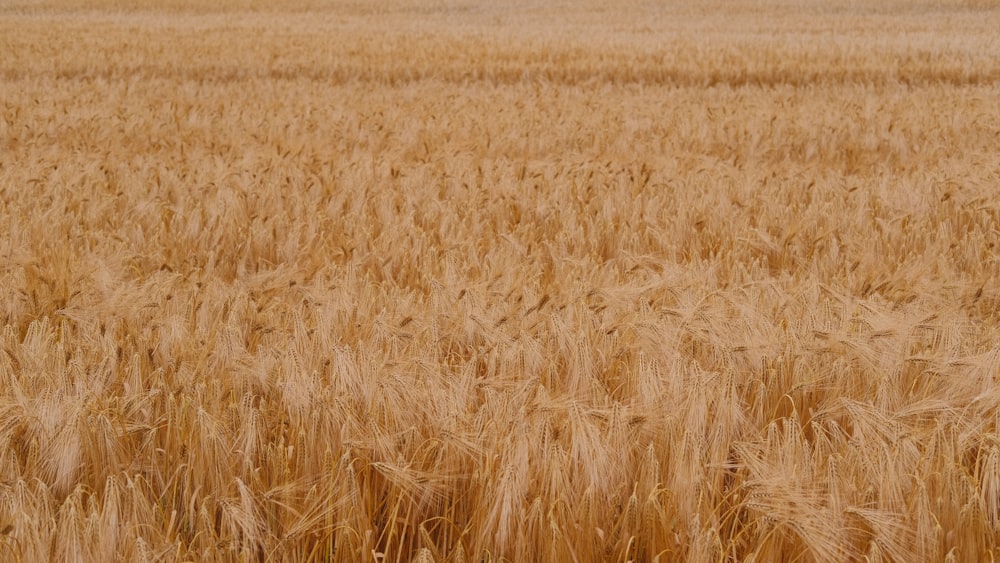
[{"x": 462, "y": 281}]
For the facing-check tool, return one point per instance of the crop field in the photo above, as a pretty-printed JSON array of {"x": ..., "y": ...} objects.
[{"x": 471, "y": 281}]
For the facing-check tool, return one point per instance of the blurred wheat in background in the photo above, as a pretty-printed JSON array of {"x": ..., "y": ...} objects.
[{"x": 444, "y": 280}]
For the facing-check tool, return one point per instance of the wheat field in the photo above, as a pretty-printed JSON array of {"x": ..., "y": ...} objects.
[{"x": 469, "y": 281}]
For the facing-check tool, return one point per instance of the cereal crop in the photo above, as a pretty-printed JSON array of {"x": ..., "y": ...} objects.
[{"x": 469, "y": 281}]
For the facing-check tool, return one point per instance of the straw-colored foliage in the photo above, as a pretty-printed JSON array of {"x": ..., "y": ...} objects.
[{"x": 452, "y": 280}]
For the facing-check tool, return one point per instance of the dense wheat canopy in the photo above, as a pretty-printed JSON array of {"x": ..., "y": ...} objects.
[{"x": 443, "y": 280}]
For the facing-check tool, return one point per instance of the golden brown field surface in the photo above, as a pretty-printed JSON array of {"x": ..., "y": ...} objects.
[{"x": 417, "y": 280}]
